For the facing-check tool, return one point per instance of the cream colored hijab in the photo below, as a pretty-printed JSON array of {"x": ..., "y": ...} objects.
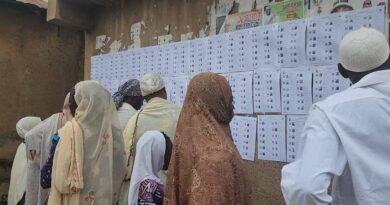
[
  {"x": 18, "y": 181},
  {"x": 91, "y": 148},
  {"x": 38, "y": 142}
]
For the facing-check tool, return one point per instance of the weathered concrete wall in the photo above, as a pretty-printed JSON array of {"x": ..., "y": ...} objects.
[
  {"x": 39, "y": 63},
  {"x": 116, "y": 29},
  {"x": 114, "y": 26}
]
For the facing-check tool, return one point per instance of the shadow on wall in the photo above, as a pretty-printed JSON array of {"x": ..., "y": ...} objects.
[
  {"x": 39, "y": 63},
  {"x": 5, "y": 170},
  {"x": 8, "y": 146},
  {"x": 3, "y": 199}
]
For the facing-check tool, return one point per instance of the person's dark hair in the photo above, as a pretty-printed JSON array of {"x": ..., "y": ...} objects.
[
  {"x": 168, "y": 151},
  {"x": 72, "y": 102},
  {"x": 357, "y": 76}
]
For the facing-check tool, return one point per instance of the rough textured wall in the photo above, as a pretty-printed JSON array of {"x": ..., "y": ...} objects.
[
  {"x": 39, "y": 63},
  {"x": 117, "y": 29},
  {"x": 139, "y": 23}
]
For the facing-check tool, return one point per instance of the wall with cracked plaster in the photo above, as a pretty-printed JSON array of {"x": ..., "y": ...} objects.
[
  {"x": 135, "y": 34},
  {"x": 135, "y": 24},
  {"x": 186, "y": 36},
  {"x": 165, "y": 39},
  {"x": 245, "y": 5}
]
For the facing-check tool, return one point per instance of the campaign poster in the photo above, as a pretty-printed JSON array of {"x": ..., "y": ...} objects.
[
  {"x": 280, "y": 11},
  {"x": 324, "y": 7}
]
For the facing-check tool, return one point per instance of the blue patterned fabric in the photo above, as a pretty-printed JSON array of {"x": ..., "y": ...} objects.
[{"x": 46, "y": 169}]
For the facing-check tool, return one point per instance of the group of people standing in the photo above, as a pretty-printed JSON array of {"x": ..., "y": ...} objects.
[{"x": 104, "y": 149}]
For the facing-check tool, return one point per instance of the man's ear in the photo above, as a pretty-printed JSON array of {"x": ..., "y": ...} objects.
[{"x": 342, "y": 71}]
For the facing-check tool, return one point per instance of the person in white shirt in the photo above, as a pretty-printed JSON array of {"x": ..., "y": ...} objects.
[
  {"x": 347, "y": 136},
  {"x": 128, "y": 99}
]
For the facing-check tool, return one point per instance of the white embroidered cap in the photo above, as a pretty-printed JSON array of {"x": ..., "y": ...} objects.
[
  {"x": 151, "y": 83},
  {"x": 363, "y": 50}
]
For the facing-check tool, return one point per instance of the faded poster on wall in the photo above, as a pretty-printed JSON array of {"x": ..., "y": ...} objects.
[
  {"x": 280, "y": 11},
  {"x": 241, "y": 21},
  {"x": 324, "y": 7},
  {"x": 220, "y": 22}
]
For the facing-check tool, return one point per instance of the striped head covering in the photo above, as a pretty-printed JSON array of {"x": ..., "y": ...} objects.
[{"x": 129, "y": 89}]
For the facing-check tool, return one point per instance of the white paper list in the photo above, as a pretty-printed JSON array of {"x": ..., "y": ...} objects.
[
  {"x": 127, "y": 72},
  {"x": 106, "y": 68},
  {"x": 111, "y": 84},
  {"x": 178, "y": 89},
  {"x": 295, "y": 125},
  {"x": 242, "y": 50},
  {"x": 296, "y": 90},
  {"x": 166, "y": 59},
  {"x": 138, "y": 62},
  {"x": 266, "y": 90},
  {"x": 208, "y": 54},
  {"x": 290, "y": 42},
  {"x": 114, "y": 65},
  {"x": 371, "y": 18},
  {"x": 263, "y": 46},
  {"x": 219, "y": 53},
  {"x": 173, "y": 70},
  {"x": 160, "y": 59},
  {"x": 152, "y": 64},
  {"x": 241, "y": 85},
  {"x": 183, "y": 52},
  {"x": 327, "y": 81},
  {"x": 192, "y": 56},
  {"x": 171, "y": 60},
  {"x": 272, "y": 138},
  {"x": 323, "y": 37},
  {"x": 231, "y": 56},
  {"x": 145, "y": 55},
  {"x": 96, "y": 63},
  {"x": 200, "y": 57},
  {"x": 244, "y": 136}
]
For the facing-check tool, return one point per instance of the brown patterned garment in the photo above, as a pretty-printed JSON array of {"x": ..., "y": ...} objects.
[{"x": 206, "y": 167}]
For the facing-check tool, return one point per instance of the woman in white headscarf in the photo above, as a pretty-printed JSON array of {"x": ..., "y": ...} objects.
[
  {"x": 89, "y": 162},
  {"x": 18, "y": 181},
  {"x": 38, "y": 143},
  {"x": 153, "y": 155}
]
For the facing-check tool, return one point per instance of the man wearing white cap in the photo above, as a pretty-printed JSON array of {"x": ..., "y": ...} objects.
[
  {"x": 159, "y": 114},
  {"x": 347, "y": 136}
]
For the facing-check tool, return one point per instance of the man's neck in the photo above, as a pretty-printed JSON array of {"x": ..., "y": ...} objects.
[{"x": 356, "y": 77}]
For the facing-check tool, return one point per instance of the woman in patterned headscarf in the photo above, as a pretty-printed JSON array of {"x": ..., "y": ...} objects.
[
  {"x": 89, "y": 162},
  {"x": 206, "y": 167},
  {"x": 128, "y": 99}
]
